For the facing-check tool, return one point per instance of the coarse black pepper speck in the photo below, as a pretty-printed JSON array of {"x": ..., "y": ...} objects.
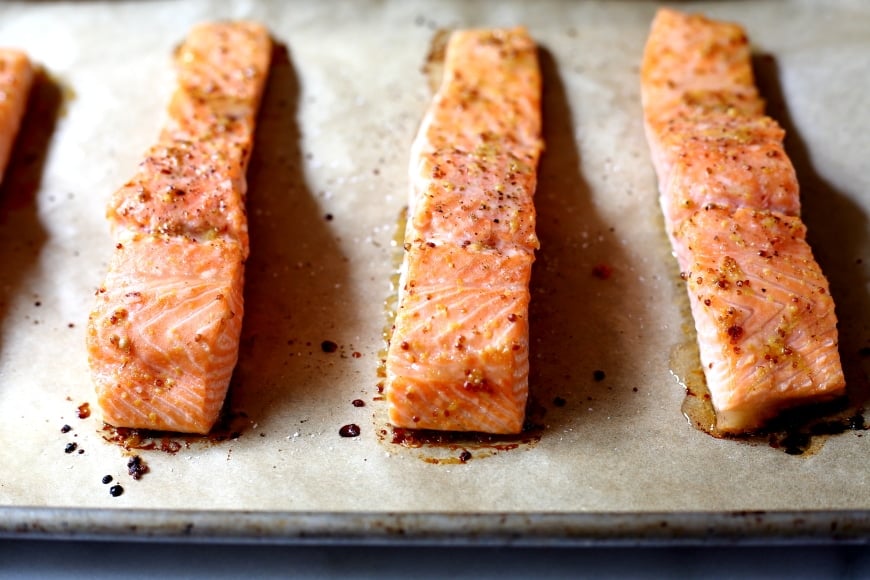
[
  {"x": 65, "y": 429},
  {"x": 358, "y": 403},
  {"x": 116, "y": 490},
  {"x": 107, "y": 479},
  {"x": 70, "y": 447},
  {"x": 598, "y": 375},
  {"x": 328, "y": 346}
]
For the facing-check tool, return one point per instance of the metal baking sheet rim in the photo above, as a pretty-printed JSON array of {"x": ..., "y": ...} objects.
[
  {"x": 454, "y": 527},
  {"x": 373, "y": 528}
]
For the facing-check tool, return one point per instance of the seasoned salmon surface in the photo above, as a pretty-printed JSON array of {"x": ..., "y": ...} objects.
[
  {"x": 16, "y": 78},
  {"x": 458, "y": 356},
  {"x": 764, "y": 317},
  {"x": 163, "y": 338}
]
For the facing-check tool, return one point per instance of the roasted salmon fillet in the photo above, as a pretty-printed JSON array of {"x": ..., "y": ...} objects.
[
  {"x": 163, "y": 338},
  {"x": 16, "y": 79},
  {"x": 458, "y": 358},
  {"x": 764, "y": 316}
]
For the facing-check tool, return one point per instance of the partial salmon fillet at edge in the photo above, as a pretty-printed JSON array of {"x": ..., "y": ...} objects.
[
  {"x": 764, "y": 316},
  {"x": 16, "y": 79},
  {"x": 163, "y": 338},
  {"x": 458, "y": 356}
]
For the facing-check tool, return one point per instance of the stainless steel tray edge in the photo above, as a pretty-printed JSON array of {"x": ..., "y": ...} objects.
[{"x": 373, "y": 528}]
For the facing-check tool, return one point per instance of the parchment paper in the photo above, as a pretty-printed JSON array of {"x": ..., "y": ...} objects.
[{"x": 327, "y": 183}]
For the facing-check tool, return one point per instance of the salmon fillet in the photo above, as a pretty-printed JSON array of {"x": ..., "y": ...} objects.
[
  {"x": 163, "y": 338},
  {"x": 764, "y": 317},
  {"x": 16, "y": 78},
  {"x": 458, "y": 358}
]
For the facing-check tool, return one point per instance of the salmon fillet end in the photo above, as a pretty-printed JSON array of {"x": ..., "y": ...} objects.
[
  {"x": 764, "y": 315},
  {"x": 459, "y": 358},
  {"x": 689, "y": 55},
  {"x": 162, "y": 341}
]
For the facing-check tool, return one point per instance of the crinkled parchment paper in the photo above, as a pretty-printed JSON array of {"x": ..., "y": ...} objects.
[{"x": 328, "y": 180}]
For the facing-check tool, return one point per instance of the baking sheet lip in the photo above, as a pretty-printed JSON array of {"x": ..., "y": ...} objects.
[{"x": 439, "y": 528}]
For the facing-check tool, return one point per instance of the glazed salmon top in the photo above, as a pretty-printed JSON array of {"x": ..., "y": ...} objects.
[
  {"x": 479, "y": 145},
  {"x": 193, "y": 182},
  {"x": 710, "y": 140},
  {"x": 694, "y": 61}
]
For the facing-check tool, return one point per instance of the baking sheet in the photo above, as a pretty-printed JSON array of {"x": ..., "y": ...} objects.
[{"x": 328, "y": 180}]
